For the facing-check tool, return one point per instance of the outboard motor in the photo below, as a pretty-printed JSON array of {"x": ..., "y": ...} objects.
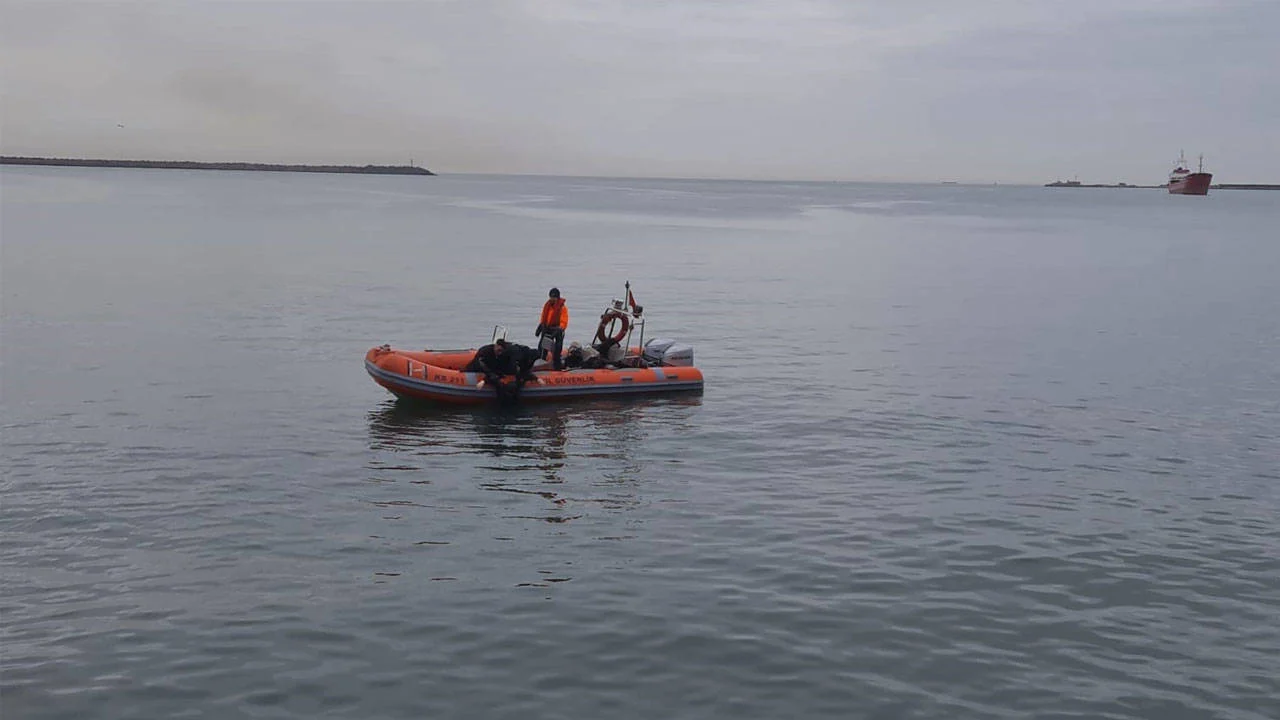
[{"x": 662, "y": 351}]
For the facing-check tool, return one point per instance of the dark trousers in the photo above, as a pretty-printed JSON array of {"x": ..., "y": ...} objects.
[{"x": 556, "y": 334}]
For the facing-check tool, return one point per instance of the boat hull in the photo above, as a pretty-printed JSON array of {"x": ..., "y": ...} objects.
[
  {"x": 440, "y": 377},
  {"x": 1193, "y": 184}
]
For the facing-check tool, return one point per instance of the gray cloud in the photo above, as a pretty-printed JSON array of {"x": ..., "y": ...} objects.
[{"x": 978, "y": 91}]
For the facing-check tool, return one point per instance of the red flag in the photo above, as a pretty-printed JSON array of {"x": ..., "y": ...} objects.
[{"x": 631, "y": 299}]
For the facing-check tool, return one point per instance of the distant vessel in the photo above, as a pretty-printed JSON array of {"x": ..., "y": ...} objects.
[{"x": 1184, "y": 182}]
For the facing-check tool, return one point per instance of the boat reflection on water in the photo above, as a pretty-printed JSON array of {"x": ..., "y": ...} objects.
[
  {"x": 601, "y": 438},
  {"x": 495, "y": 497}
]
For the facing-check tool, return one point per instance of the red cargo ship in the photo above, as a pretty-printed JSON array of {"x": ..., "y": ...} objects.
[{"x": 1184, "y": 182}]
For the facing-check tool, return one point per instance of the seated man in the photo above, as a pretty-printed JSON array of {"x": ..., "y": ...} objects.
[
  {"x": 609, "y": 351},
  {"x": 573, "y": 356},
  {"x": 582, "y": 357}
]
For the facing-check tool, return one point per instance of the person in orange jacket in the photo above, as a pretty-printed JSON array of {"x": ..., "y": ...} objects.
[{"x": 552, "y": 324}]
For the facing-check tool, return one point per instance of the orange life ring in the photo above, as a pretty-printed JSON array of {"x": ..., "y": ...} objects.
[{"x": 608, "y": 319}]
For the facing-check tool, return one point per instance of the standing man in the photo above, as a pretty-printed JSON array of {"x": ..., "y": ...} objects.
[{"x": 551, "y": 326}]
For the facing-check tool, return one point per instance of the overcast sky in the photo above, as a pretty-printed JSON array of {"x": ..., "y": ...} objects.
[{"x": 928, "y": 90}]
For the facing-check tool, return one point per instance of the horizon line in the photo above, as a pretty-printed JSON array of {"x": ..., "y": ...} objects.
[
  {"x": 64, "y": 161},
  {"x": 53, "y": 161}
]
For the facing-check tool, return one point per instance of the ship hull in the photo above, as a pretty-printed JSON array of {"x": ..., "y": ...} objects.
[
  {"x": 443, "y": 377},
  {"x": 1193, "y": 184}
]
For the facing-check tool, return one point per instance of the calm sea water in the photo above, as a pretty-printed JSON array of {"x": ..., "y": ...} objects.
[{"x": 968, "y": 452}]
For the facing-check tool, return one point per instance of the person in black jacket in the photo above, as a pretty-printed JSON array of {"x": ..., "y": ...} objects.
[
  {"x": 492, "y": 360},
  {"x": 500, "y": 359},
  {"x": 522, "y": 359}
]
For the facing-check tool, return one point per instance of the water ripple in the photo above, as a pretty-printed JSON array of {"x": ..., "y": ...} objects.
[{"x": 989, "y": 457}]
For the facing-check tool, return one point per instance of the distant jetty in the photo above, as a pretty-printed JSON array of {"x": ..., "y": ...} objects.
[
  {"x": 249, "y": 167},
  {"x": 1246, "y": 186}
]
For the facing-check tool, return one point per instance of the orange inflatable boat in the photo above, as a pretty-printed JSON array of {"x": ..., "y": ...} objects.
[
  {"x": 438, "y": 376},
  {"x": 659, "y": 366}
]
